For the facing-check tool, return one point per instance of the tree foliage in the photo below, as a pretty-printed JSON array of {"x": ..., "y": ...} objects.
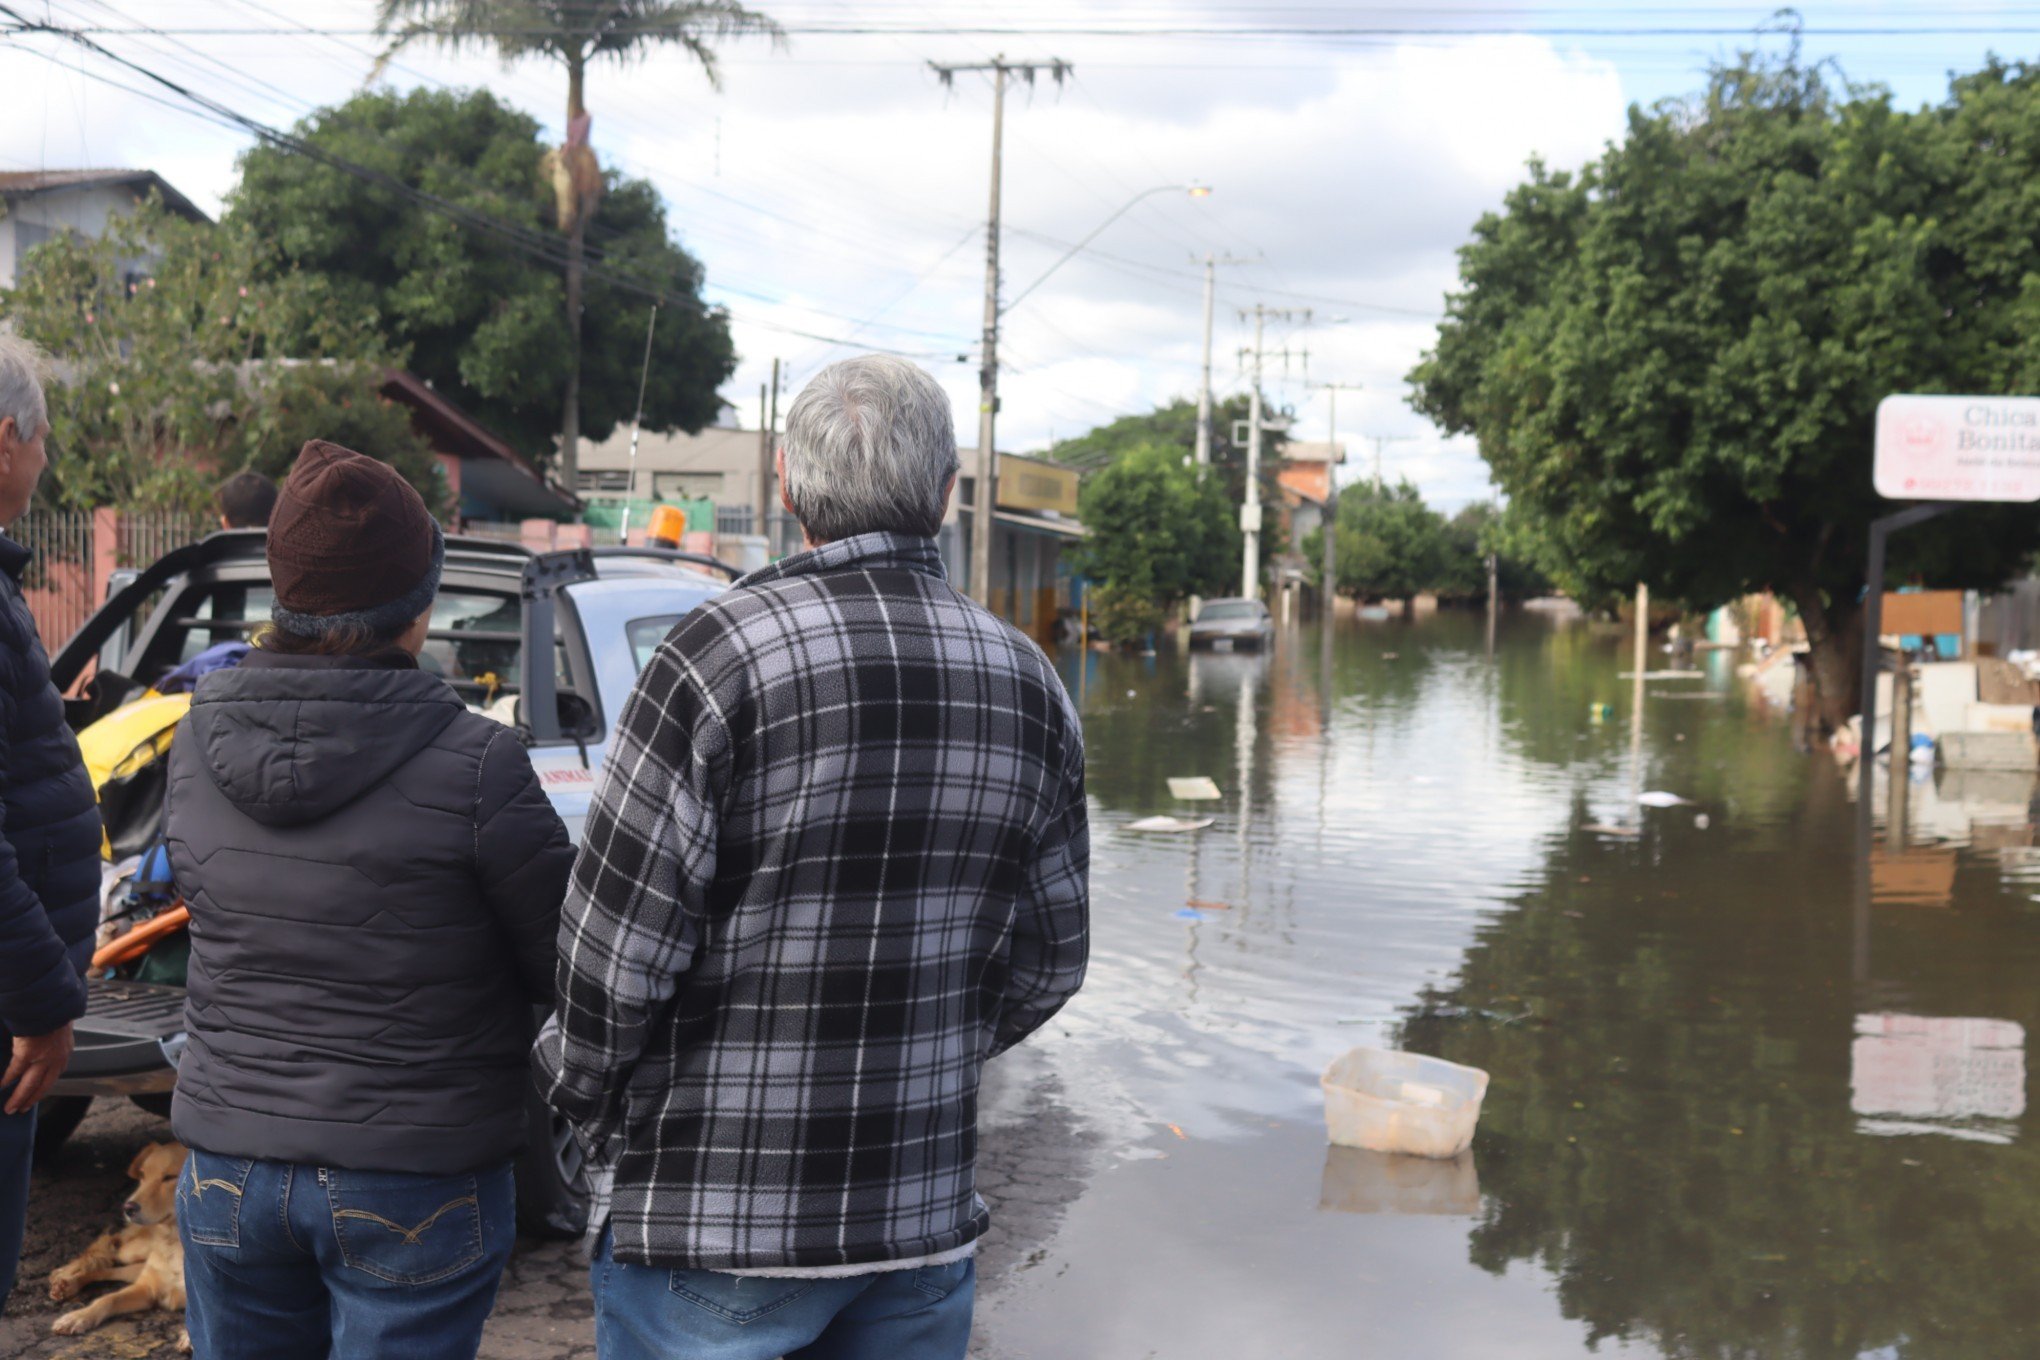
[
  {"x": 1175, "y": 426},
  {"x": 1157, "y": 531},
  {"x": 479, "y": 319},
  {"x": 1390, "y": 544},
  {"x": 574, "y": 32},
  {"x": 185, "y": 351},
  {"x": 1672, "y": 360}
]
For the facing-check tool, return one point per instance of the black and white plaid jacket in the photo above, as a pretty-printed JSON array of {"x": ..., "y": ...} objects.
[{"x": 838, "y": 859}]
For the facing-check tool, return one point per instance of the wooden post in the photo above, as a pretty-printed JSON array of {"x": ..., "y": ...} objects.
[
  {"x": 1640, "y": 657},
  {"x": 1901, "y": 753}
]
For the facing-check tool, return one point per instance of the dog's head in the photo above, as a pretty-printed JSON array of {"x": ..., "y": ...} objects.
[{"x": 155, "y": 1170}]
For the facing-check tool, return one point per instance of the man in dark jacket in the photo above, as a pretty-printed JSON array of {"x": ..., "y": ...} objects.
[
  {"x": 49, "y": 827},
  {"x": 838, "y": 860},
  {"x": 374, "y": 877}
]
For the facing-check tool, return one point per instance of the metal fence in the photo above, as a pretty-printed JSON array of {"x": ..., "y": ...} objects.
[
  {"x": 58, "y": 582},
  {"x": 74, "y": 549},
  {"x": 147, "y": 536}
]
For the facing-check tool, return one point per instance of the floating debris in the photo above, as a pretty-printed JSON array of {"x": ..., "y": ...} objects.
[
  {"x": 1658, "y": 798},
  {"x": 1170, "y": 824},
  {"x": 1194, "y": 789}
]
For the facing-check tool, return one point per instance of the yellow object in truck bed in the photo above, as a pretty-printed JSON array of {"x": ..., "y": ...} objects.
[{"x": 130, "y": 737}]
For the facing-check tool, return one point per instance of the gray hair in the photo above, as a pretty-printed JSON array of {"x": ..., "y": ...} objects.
[
  {"x": 870, "y": 447},
  {"x": 22, "y": 366}
]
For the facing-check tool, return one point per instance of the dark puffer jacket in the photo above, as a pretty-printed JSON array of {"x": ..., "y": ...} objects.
[
  {"x": 375, "y": 880},
  {"x": 49, "y": 840}
]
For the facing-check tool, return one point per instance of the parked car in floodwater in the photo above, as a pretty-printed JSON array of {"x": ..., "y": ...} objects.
[
  {"x": 1232, "y": 625},
  {"x": 548, "y": 643}
]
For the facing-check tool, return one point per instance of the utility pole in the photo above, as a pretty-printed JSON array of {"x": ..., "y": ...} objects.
[
  {"x": 986, "y": 498},
  {"x": 1378, "y": 440},
  {"x": 1250, "y": 512},
  {"x": 1330, "y": 564},
  {"x": 1211, "y": 264},
  {"x": 1250, "y": 509},
  {"x": 768, "y": 423}
]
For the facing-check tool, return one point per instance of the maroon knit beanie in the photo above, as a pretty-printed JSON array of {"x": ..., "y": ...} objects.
[{"x": 351, "y": 542}]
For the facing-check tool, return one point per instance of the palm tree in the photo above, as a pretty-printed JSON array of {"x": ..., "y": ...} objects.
[{"x": 574, "y": 33}]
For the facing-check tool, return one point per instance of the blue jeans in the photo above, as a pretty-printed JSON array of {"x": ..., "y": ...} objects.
[
  {"x": 284, "y": 1261},
  {"x": 17, "y": 1147},
  {"x": 648, "y": 1313}
]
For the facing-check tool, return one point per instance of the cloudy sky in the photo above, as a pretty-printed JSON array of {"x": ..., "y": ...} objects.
[{"x": 837, "y": 187}]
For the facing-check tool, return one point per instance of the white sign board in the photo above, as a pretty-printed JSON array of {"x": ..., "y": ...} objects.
[{"x": 1958, "y": 448}]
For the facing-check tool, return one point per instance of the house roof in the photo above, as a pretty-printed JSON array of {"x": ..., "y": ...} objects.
[
  {"x": 454, "y": 431},
  {"x": 29, "y": 183},
  {"x": 1313, "y": 451}
]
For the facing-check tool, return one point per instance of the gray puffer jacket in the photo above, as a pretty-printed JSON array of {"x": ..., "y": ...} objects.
[{"x": 375, "y": 878}]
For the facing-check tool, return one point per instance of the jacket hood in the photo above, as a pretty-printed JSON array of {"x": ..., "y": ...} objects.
[{"x": 289, "y": 747}]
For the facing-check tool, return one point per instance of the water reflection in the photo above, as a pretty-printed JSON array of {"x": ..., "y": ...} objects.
[
  {"x": 1737, "y": 1111},
  {"x": 1955, "y": 1073},
  {"x": 1678, "y": 1134},
  {"x": 1357, "y": 1181}
]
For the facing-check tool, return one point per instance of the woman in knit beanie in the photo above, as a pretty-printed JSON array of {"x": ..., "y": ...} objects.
[{"x": 375, "y": 879}]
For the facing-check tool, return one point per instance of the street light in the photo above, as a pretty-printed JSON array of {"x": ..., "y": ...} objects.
[{"x": 1194, "y": 190}]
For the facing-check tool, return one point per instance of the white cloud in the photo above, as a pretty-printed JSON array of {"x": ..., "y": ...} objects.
[{"x": 844, "y": 184}]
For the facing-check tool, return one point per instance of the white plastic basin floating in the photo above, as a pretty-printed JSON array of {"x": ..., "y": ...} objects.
[{"x": 1385, "y": 1101}]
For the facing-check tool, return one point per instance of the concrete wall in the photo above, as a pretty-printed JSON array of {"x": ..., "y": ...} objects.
[{"x": 718, "y": 464}]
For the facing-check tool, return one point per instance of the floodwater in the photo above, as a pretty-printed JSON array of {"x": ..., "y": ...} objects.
[{"x": 1739, "y": 1109}]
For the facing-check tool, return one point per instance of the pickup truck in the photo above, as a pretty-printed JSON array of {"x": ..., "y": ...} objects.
[{"x": 549, "y": 642}]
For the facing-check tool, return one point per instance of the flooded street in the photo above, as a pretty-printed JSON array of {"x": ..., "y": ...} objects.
[{"x": 1733, "y": 1112}]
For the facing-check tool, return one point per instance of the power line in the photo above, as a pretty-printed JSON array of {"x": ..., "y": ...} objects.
[
  {"x": 527, "y": 240},
  {"x": 1216, "y": 32}
]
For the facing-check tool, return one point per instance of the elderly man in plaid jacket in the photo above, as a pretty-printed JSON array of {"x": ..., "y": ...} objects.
[{"x": 838, "y": 860}]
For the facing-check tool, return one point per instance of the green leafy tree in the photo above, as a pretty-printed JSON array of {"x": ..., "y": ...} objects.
[
  {"x": 1470, "y": 536},
  {"x": 1156, "y": 532},
  {"x": 183, "y": 351},
  {"x": 478, "y": 319},
  {"x": 575, "y": 33},
  {"x": 1175, "y": 425},
  {"x": 1672, "y": 360},
  {"x": 1390, "y": 544},
  {"x": 1123, "y": 615}
]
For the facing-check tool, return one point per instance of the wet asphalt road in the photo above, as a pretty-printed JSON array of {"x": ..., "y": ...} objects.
[{"x": 1028, "y": 1170}]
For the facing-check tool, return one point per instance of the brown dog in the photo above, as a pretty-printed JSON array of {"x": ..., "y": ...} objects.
[{"x": 148, "y": 1258}]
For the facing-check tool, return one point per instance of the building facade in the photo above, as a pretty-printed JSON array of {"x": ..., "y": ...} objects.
[
  {"x": 36, "y": 205},
  {"x": 1033, "y": 584}
]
